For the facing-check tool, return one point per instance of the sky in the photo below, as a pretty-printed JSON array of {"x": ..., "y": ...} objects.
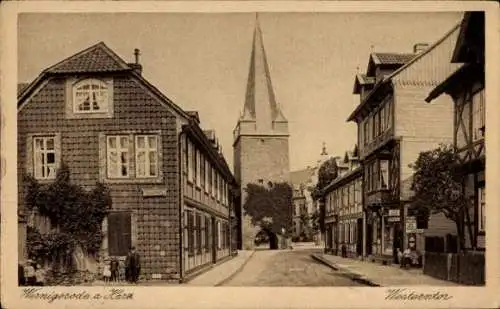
[{"x": 201, "y": 61}]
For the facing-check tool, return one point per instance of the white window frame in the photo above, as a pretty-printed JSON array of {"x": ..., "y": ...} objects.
[
  {"x": 481, "y": 209},
  {"x": 119, "y": 151},
  {"x": 147, "y": 150},
  {"x": 102, "y": 96},
  {"x": 198, "y": 168},
  {"x": 190, "y": 161},
  {"x": 207, "y": 176},
  {"x": 48, "y": 170},
  {"x": 219, "y": 235}
]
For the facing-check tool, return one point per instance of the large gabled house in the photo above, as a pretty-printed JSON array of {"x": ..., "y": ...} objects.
[
  {"x": 466, "y": 87},
  {"x": 171, "y": 188},
  {"x": 393, "y": 128}
]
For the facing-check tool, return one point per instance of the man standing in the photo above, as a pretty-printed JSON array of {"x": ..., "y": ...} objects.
[{"x": 133, "y": 266}]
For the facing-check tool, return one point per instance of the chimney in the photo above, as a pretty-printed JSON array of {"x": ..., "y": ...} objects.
[
  {"x": 136, "y": 66},
  {"x": 420, "y": 47}
]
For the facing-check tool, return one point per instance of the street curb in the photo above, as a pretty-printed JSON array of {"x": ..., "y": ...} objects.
[
  {"x": 345, "y": 273},
  {"x": 231, "y": 276},
  {"x": 196, "y": 273}
]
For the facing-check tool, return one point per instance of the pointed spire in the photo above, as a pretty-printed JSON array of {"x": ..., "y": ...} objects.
[
  {"x": 323, "y": 150},
  {"x": 260, "y": 101}
]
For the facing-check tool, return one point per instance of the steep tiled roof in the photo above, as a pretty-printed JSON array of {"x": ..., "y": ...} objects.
[
  {"x": 392, "y": 58},
  {"x": 97, "y": 58},
  {"x": 363, "y": 79},
  {"x": 194, "y": 114},
  {"x": 21, "y": 87}
]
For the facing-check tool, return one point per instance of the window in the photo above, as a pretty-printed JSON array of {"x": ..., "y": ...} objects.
[
  {"x": 383, "y": 118},
  {"x": 44, "y": 157},
  {"x": 366, "y": 131},
  {"x": 214, "y": 184},
  {"x": 190, "y": 230},
  {"x": 351, "y": 194},
  {"x": 208, "y": 244},
  {"x": 379, "y": 122},
  {"x": 209, "y": 179},
  {"x": 388, "y": 119},
  {"x": 478, "y": 115},
  {"x": 90, "y": 96},
  {"x": 481, "y": 195},
  {"x": 217, "y": 192},
  {"x": 118, "y": 156},
  {"x": 207, "y": 176},
  {"x": 219, "y": 232},
  {"x": 198, "y": 168},
  {"x": 374, "y": 120},
  {"x": 384, "y": 174},
  {"x": 186, "y": 157},
  {"x": 119, "y": 233},
  {"x": 190, "y": 160},
  {"x": 198, "y": 234},
  {"x": 146, "y": 156},
  {"x": 203, "y": 236},
  {"x": 202, "y": 170}
]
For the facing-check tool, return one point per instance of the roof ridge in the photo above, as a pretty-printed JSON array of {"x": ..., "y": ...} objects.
[
  {"x": 422, "y": 54},
  {"x": 119, "y": 61}
]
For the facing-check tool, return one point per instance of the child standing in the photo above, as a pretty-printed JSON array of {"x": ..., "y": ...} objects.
[
  {"x": 106, "y": 273},
  {"x": 39, "y": 275}
]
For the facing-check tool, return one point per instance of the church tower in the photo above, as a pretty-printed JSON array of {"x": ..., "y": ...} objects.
[{"x": 260, "y": 145}]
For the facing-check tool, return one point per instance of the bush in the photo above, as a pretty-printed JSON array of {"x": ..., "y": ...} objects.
[{"x": 75, "y": 215}]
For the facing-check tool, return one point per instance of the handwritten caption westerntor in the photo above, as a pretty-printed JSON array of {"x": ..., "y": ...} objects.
[
  {"x": 51, "y": 296},
  {"x": 406, "y": 294}
]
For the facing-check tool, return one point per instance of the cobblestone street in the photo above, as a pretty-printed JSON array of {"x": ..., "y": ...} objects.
[{"x": 287, "y": 268}]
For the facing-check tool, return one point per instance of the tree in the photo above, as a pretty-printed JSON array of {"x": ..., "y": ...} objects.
[
  {"x": 327, "y": 172},
  {"x": 438, "y": 188},
  {"x": 270, "y": 207}
]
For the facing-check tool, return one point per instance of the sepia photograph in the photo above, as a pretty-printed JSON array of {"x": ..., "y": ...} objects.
[{"x": 249, "y": 149}]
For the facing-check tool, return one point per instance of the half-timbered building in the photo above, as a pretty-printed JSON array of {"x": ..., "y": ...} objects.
[
  {"x": 467, "y": 88},
  {"x": 171, "y": 189},
  {"x": 344, "y": 211},
  {"x": 393, "y": 128}
]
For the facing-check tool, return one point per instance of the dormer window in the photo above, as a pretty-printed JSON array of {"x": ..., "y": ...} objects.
[{"x": 90, "y": 96}]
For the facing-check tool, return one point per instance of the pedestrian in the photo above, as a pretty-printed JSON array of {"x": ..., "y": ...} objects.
[
  {"x": 39, "y": 275},
  {"x": 406, "y": 263},
  {"x": 114, "y": 268},
  {"x": 106, "y": 273},
  {"x": 21, "y": 279},
  {"x": 29, "y": 273},
  {"x": 133, "y": 266}
]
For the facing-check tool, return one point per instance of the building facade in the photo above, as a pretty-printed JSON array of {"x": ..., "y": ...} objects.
[
  {"x": 301, "y": 216},
  {"x": 344, "y": 215},
  {"x": 261, "y": 151},
  {"x": 466, "y": 87},
  {"x": 171, "y": 188},
  {"x": 393, "y": 128},
  {"x": 304, "y": 181}
]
